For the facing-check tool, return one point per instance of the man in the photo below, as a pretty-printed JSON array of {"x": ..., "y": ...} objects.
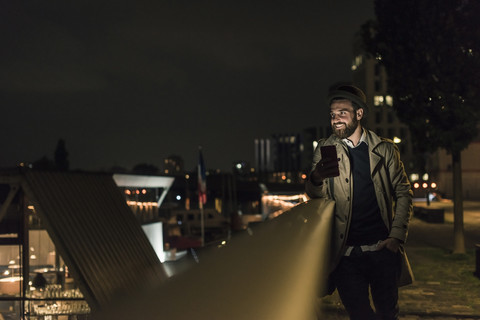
[{"x": 368, "y": 233}]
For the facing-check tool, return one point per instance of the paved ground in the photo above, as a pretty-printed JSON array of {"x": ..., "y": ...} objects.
[{"x": 440, "y": 300}]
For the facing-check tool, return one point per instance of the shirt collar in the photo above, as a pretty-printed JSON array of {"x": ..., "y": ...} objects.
[{"x": 349, "y": 143}]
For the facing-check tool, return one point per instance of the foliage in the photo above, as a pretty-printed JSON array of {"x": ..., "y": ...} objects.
[
  {"x": 431, "y": 53},
  {"x": 44, "y": 163},
  {"x": 61, "y": 156}
]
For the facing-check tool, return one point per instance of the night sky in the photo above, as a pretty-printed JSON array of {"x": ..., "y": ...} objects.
[{"x": 129, "y": 82}]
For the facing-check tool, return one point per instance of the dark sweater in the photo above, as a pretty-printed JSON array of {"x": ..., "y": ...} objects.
[{"x": 366, "y": 226}]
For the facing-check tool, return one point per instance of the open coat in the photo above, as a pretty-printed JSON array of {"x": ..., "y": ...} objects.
[{"x": 392, "y": 189}]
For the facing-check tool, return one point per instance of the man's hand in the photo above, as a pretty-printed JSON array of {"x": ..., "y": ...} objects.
[
  {"x": 325, "y": 168},
  {"x": 391, "y": 244}
]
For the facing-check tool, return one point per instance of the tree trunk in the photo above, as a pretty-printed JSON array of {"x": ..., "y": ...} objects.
[{"x": 458, "y": 234}]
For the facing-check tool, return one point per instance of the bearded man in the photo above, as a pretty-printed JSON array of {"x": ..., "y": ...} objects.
[{"x": 365, "y": 179}]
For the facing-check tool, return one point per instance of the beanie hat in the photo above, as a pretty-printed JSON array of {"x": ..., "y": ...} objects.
[{"x": 351, "y": 93}]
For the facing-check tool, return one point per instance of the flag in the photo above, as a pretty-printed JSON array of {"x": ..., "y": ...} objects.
[{"x": 202, "y": 180}]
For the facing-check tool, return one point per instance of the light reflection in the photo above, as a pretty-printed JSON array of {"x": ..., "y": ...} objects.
[{"x": 142, "y": 204}]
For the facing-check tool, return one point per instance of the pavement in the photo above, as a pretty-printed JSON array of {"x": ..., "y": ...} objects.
[{"x": 442, "y": 299}]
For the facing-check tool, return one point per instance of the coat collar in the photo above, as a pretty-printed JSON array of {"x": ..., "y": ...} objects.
[{"x": 372, "y": 140}]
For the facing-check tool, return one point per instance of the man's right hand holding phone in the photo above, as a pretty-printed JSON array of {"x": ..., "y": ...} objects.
[{"x": 327, "y": 167}]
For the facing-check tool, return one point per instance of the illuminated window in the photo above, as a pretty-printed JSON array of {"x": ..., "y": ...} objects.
[
  {"x": 357, "y": 62},
  {"x": 378, "y": 100},
  {"x": 389, "y": 100}
]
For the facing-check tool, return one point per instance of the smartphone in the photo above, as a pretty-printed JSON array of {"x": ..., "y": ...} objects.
[{"x": 330, "y": 153}]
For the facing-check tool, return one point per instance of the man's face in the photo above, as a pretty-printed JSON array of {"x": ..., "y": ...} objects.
[{"x": 343, "y": 118}]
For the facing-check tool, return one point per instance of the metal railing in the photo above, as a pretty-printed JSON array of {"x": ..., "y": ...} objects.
[{"x": 273, "y": 271}]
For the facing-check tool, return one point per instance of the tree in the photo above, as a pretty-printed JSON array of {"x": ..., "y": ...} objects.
[
  {"x": 61, "y": 156},
  {"x": 44, "y": 163},
  {"x": 431, "y": 52}
]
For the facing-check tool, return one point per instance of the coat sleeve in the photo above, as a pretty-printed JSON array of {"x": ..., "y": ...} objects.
[
  {"x": 312, "y": 190},
  {"x": 402, "y": 194}
]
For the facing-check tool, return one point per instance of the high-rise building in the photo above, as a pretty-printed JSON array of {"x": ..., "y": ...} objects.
[
  {"x": 173, "y": 165},
  {"x": 280, "y": 157},
  {"x": 369, "y": 75}
]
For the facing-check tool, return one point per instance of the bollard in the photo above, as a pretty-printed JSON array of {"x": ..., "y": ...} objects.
[{"x": 477, "y": 254}]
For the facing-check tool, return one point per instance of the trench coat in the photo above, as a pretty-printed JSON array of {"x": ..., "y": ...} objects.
[{"x": 392, "y": 189}]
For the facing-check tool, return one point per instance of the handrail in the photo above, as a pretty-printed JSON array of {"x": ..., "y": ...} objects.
[{"x": 275, "y": 272}]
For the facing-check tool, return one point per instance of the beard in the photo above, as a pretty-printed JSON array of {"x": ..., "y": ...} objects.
[{"x": 347, "y": 131}]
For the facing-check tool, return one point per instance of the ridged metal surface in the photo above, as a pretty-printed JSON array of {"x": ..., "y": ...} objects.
[
  {"x": 275, "y": 271},
  {"x": 96, "y": 233}
]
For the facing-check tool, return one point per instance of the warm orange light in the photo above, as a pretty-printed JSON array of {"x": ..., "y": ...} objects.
[
  {"x": 433, "y": 185},
  {"x": 284, "y": 177},
  {"x": 142, "y": 204},
  {"x": 416, "y": 185},
  {"x": 128, "y": 192},
  {"x": 137, "y": 192},
  {"x": 144, "y": 191},
  {"x": 304, "y": 176},
  {"x": 425, "y": 185}
]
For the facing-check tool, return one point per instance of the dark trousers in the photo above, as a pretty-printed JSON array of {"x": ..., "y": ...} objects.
[{"x": 377, "y": 270}]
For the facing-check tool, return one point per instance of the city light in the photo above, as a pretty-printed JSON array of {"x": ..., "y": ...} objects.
[{"x": 142, "y": 204}]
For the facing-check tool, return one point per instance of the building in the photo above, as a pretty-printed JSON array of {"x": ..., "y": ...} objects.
[
  {"x": 281, "y": 158},
  {"x": 69, "y": 245},
  {"x": 371, "y": 77},
  {"x": 441, "y": 165},
  {"x": 173, "y": 165}
]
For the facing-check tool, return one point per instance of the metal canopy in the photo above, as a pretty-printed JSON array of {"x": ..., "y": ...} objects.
[{"x": 95, "y": 232}]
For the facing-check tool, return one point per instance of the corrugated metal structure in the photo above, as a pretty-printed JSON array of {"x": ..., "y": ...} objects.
[
  {"x": 274, "y": 271},
  {"x": 95, "y": 232}
]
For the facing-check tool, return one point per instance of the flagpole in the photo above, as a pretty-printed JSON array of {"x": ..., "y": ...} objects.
[
  {"x": 202, "y": 224},
  {"x": 202, "y": 192}
]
